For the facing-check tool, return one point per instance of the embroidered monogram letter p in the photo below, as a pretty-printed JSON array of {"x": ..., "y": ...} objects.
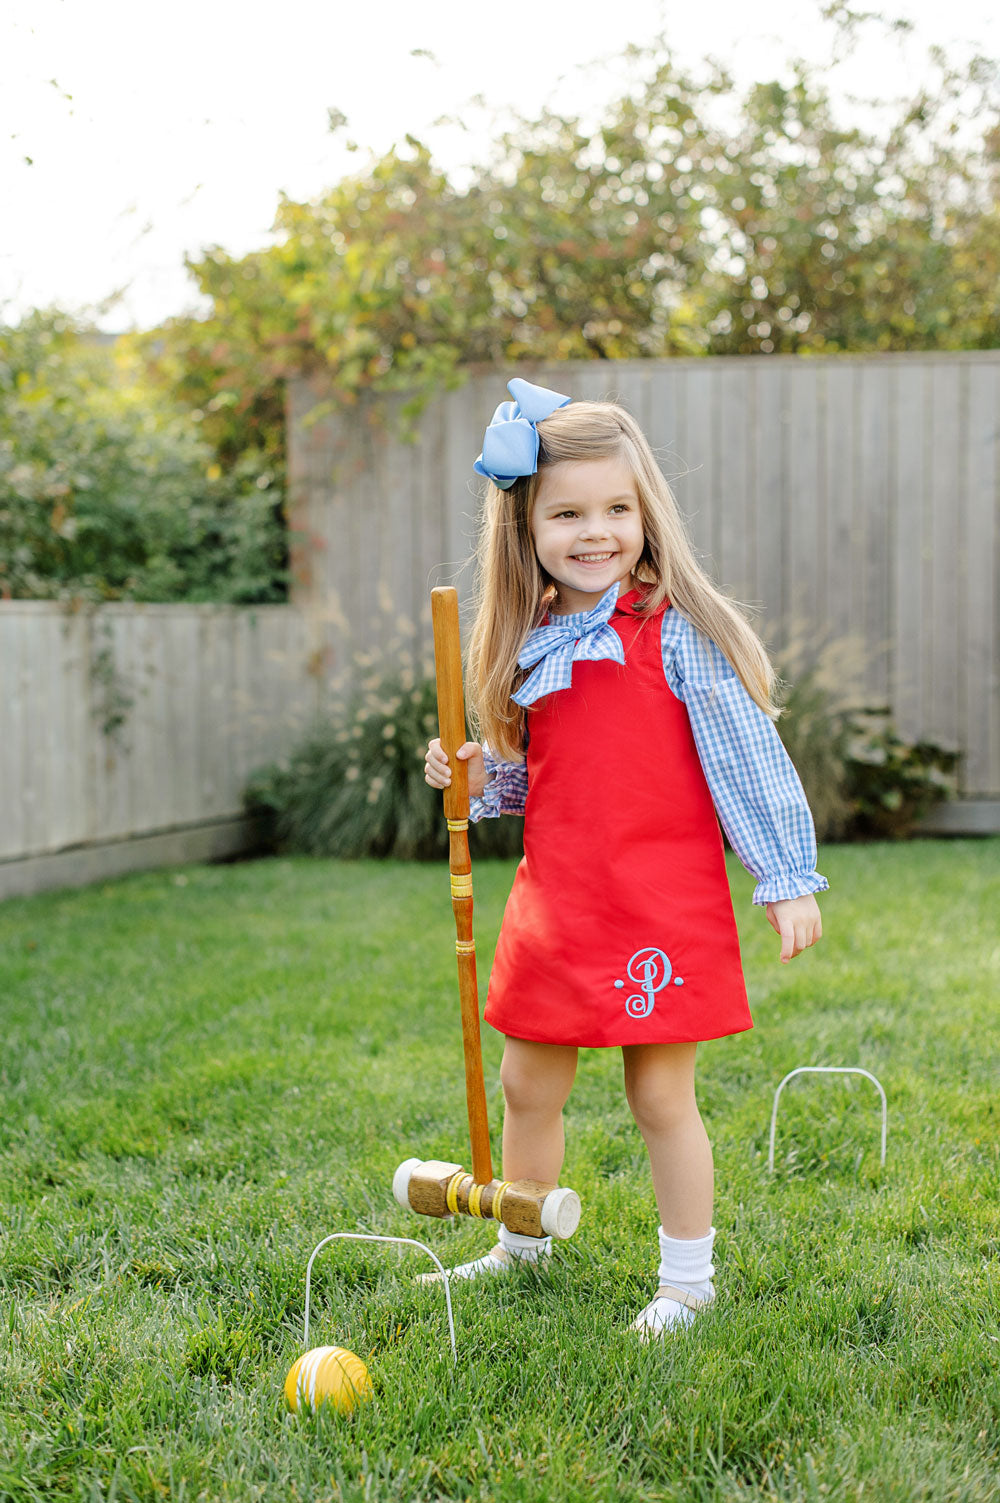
[{"x": 651, "y": 969}]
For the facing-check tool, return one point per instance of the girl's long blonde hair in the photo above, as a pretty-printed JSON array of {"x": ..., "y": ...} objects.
[{"x": 513, "y": 591}]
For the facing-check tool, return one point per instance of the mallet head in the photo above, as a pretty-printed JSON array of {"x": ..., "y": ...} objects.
[{"x": 434, "y": 1188}]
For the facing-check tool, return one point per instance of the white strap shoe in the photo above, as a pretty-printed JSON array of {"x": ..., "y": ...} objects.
[
  {"x": 497, "y": 1260},
  {"x": 668, "y": 1308}
]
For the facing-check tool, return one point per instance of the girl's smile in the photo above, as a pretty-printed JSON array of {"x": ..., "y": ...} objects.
[{"x": 587, "y": 529}]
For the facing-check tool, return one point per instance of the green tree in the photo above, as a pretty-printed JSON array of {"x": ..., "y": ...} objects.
[{"x": 832, "y": 239}]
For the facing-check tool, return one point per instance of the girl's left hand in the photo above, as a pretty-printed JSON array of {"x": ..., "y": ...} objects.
[{"x": 798, "y": 922}]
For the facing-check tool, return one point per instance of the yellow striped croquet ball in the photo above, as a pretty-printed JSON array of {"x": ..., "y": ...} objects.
[{"x": 327, "y": 1375}]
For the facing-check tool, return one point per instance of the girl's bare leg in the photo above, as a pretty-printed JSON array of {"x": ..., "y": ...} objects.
[
  {"x": 536, "y": 1081},
  {"x": 659, "y": 1085}
]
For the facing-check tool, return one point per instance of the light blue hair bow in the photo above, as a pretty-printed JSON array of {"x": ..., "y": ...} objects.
[
  {"x": 510, "y": 446},
  {"x": 564, "y": 641}
]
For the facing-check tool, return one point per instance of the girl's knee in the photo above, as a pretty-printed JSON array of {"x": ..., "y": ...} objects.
[
  {"x": 660, "y": 1103},
  {"x": 536, "y": 1078},
  {"x": 659, "y": 1086}
]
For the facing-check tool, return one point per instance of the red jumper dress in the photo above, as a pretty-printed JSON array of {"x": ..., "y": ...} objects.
[{"x": 619, "y": 928}]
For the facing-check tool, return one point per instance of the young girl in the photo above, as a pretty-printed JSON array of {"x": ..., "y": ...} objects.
[{"x": 623, "y": 702}]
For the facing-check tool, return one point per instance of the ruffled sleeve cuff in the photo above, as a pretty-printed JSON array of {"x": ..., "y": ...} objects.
[
  {"x": 505, "y": 792},
  {"x": 487, "y": 807},
  {"x": 788, "y": 885}
]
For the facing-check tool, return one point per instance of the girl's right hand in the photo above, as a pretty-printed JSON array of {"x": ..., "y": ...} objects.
[{"x": 438, "y": 774}]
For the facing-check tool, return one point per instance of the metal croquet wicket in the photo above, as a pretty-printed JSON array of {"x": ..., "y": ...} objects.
[
  {"x": 404, "y": 1241},
  {"x": 826, "y": 1070}
]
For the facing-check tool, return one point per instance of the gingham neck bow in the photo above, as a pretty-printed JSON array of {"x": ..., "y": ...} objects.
[{"x": 564, "y": 641}]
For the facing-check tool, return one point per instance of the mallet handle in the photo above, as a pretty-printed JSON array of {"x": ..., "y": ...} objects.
[{"x": 451, "y": 720}]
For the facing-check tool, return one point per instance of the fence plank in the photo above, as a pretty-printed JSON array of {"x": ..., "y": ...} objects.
[
  {"x": 75, "y": 768},
  {"x": 667, "y": 419},
  {"x": 873, "y": 480},
  {"x": 698, "y": 453},
  {"x": 735, "y": 486},
  {"x": 770, "y": 485},
  {"x": 463, "y": 423},
  {"x": 945, "y": 468},
  {"x": 909, "y": 622},
  {"x": 631, "y": 391},
  {"x": 429, "y": 540},
  {"x": 979, "y": 729},
  {"x": 800, "y": 553},
  {"x": 841, "y": 489},
  {"x": 148, "y": 725},
  {"x": 13, "y": 821}
]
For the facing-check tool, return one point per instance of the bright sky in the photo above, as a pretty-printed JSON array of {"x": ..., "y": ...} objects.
[{"x": 158, "y": 130}]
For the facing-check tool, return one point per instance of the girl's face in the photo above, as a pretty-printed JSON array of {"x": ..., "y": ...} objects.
[{"x": 587, "y": 529}]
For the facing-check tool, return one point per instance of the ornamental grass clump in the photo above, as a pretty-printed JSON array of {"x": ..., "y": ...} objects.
[
  {"x": 820, "y": 680},
  {"x": 354, "y": 786}
]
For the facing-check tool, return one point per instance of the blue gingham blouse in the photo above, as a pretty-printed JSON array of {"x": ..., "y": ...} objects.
[{"x": 756, "y": 790}]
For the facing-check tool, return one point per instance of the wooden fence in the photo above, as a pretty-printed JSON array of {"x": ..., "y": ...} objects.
[
  {"x": 127, "y": 733},
  {"x": 853, "y": 498}
]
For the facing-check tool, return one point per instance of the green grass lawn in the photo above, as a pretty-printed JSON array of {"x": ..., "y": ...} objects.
[{"x": 205, "y": 1071}]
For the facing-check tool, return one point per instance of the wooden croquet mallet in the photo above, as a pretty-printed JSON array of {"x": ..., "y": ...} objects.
[{"x": 432, "y": 1187}]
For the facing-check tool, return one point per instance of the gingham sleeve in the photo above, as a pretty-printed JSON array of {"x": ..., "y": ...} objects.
[
  {"x": 756, "y": 790},
  {"x": 505, "y": 792}
]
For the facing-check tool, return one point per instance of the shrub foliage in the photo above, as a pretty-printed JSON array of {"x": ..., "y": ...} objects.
[
  {"x": 893, "y": 782},
  {"x": 862, "y": 779},
  {"x": 109, "y": 490}
]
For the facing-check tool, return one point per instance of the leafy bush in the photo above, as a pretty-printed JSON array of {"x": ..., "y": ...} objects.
[
  {"x": 861, "y": 778},
  {"x": 355, "y": 785},
  {"x": 893, "y": 783},
  {"x": 109, "y": 492}
]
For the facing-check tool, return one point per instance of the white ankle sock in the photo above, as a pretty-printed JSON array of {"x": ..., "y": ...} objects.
[
  {"x": 521, "y": 1248},
  {"x": 685, "y": 1263}
]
